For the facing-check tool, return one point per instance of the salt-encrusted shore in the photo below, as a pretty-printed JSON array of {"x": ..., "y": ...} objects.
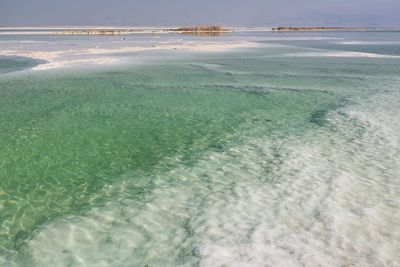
[
  {"x": 98, "y": 55},
  {"x": 111, "y": 30}
]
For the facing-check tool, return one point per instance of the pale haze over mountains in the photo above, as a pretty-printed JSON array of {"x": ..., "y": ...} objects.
[{"x": 184, "y": 12}]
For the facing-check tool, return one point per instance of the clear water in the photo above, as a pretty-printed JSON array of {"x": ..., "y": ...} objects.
[
  {"x": 11, "y": 64},
  {"x": 269, "y": 156}
]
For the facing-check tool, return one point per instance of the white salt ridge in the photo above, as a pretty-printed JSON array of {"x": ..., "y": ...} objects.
[
  {"x": 367, "y": 43},
  {"x": 296, "y": 38},
  {"x": 73, "y": 57},
  {"x": 342, "y": 54},
  {"x": 59, "y": 64},
  {"x": 331, "y": 198}
]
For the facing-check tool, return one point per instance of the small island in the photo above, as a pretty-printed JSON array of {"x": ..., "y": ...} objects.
[{"x": 201, "y": 29}]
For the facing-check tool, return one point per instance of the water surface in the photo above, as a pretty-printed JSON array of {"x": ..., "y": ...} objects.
[{"x": 278, "y": 155}]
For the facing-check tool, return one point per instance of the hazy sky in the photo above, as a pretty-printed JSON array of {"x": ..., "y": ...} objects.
[{"x": 189, "y": 12}]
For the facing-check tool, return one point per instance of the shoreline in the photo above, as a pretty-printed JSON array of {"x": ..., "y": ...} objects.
[
  {"x": 114, "y": 31},
  {"x": 202, "y": 29},
  {"x": 106, "y": 55}
]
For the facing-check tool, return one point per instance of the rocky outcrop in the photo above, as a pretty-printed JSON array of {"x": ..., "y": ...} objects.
[{"x": 201, "y": 29}]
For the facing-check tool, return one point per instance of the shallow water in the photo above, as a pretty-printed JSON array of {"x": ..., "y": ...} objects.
[
  {"x": 12, "y": 63},
  {"x": 280, "y": 155}
]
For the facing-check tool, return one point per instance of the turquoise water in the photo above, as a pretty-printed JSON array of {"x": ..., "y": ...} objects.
[
  {"x": 10, "y": 64},
  {"x": 277, "y": 155}
]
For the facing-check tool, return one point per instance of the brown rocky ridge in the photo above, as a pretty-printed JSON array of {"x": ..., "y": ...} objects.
[{"x": 200, "y": 28}]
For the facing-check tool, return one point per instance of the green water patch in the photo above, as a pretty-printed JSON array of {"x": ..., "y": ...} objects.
[
  {"x": 11, "y": 63},
  {"x": 66, "y": 136}
]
